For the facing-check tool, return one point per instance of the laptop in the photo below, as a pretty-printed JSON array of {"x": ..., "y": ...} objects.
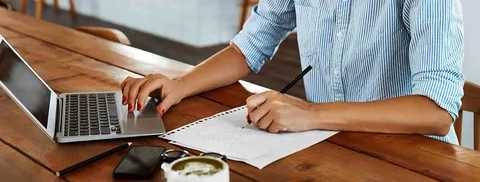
[{"x": 72, "y": 117}]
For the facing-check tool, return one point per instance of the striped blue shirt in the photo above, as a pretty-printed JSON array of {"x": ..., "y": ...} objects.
[{"x": 366, "y": 50}]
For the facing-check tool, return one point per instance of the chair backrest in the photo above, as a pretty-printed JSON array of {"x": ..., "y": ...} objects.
[
  {"x": 106, "y": 33},
  {"x": 471, "y": 103},
  {"x": 3, "y": 4}
]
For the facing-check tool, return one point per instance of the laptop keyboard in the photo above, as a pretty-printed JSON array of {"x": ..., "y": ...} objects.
[{"x": 91, "y": 114}]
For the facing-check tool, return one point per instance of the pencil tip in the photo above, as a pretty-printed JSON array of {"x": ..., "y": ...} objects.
[
  {"x": 243, "y": 127},
  {"x": 129, "y": 143}
]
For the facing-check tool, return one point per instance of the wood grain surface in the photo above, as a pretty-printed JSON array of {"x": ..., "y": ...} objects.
[
  {"x": 102, "y": 50},
  {"x": 16, "y": 167}
]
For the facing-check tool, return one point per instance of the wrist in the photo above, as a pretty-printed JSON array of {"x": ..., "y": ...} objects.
[
  {"x": 182, "y": 90},
  {"x": 321, "y": 116}
]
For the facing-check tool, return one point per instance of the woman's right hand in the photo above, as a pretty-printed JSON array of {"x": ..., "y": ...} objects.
[{"x": 136, "y": 90}]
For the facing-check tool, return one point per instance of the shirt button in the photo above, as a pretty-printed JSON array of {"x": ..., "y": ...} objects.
[{"x": 340, "y": 35}]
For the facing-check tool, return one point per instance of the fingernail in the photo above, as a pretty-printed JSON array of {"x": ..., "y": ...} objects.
[
  {"x": 124, "y": 100},
  {"x": 130, "y": 109},
  {"x": 162, "y": 111},
  {"x": 248, "y": 116},
  {"x": 139, "y": 107}
]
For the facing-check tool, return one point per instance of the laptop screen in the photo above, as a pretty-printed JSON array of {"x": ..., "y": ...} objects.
[{"x": 24, "y": 84}]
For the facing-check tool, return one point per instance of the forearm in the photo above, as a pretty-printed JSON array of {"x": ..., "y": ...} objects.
[
  {"x": 224, "y": 68},
  {"x": 406, "y": 115}
]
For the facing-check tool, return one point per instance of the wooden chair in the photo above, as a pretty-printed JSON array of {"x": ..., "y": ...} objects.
[
  {"x": 243, "y": 16},
  {"x": 471, "y": 103},
  {"x": 106, "y": 33},
  {"x": 41, "y": 3},
  {"x": 5, "y": 5}
]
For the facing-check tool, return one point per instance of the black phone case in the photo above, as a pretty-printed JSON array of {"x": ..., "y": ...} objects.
[{"x": 143, "y": 175}]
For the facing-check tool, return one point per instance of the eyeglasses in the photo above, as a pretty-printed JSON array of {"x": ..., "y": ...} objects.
[{"x": 172, "y": 155}]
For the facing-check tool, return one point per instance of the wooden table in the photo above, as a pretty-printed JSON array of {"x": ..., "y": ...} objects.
[{"x": 72, "y": 61}]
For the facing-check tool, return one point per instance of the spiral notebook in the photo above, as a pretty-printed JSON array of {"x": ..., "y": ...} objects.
[{"x": 223, "y": 133}]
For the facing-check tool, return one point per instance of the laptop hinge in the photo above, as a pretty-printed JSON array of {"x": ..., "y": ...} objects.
[{"x": 59, "y": 119}]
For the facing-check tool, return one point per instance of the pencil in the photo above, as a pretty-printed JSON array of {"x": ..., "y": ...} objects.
[
  {"x": 288, "y": 87},
  {"x": 93, "y": 159}
]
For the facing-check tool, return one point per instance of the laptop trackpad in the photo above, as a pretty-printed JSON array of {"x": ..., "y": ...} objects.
[{"x": 145, "y": 122}]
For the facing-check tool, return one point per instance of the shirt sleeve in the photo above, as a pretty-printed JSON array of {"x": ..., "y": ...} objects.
[
  {"x": 436, "y": 51},
  {"x": 271, "y": 21}
]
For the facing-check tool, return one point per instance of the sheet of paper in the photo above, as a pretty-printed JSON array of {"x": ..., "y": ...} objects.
[
  {"x": 223, "y": 133},
  {"x": 270, "y": 157}
]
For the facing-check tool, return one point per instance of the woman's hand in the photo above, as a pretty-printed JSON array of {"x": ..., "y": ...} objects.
[
  {"x": 276, "y": 112},
  {"x": 136, "y": 90}
]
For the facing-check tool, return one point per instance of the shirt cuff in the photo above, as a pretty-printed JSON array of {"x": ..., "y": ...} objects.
[
  {"x": 445, "y": 91},
  {"x": 254, "y": 57}
]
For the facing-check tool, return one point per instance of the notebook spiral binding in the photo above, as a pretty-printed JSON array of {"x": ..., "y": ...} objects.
[{"x": 202, "y": 120}]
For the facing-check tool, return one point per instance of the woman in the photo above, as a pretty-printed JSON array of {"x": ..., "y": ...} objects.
[{"x": 378, "y": 66}]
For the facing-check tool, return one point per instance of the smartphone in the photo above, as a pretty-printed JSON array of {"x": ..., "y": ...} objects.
[{"x": 140, "y": 162}]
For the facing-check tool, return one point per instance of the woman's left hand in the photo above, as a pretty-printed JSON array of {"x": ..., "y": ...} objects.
[{"x": 276, "y": 112}]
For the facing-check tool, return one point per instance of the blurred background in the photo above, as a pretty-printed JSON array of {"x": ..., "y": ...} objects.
[{"x": 190, "y": 31}]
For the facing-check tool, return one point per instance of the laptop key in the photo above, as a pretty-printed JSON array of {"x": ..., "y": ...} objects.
[
  {"x": 112, "y": 110},
  {"x": 84, "y": 133},
  {"x": 94, "y": 131},
  {"x": 74, "y": 133},
  {"x": 105, "y": 130}
]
